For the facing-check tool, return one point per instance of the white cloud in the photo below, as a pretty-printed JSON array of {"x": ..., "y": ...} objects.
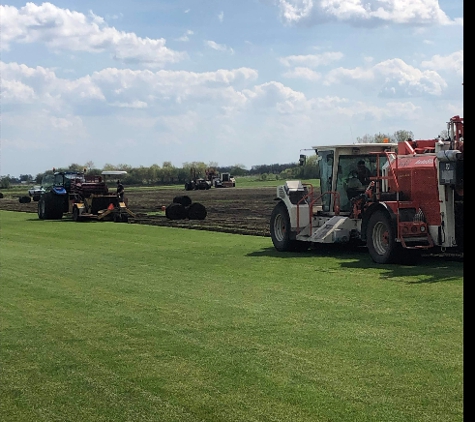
[
  {"x": 276, "y": 95},
  {"x": 451, "y": 63},
  {"x": 221, "y": 16},
  {"x": 364, "y": 12},
  {"x": 185, "y": 37},
  {"x": 392, "y": 78},
  {"x": 219, "y": 47},
  {"x": 303, "y": 73},
  {"x": 121, "y": 88},
  {"x": 311, "y": 60},
  {"x": 63, "y": 29}
]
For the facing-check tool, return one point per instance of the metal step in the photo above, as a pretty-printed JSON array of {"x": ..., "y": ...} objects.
[{"x": 336, "y": 230}]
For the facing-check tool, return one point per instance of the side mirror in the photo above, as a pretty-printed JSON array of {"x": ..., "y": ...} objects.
[{"x": 302, "y": 159}]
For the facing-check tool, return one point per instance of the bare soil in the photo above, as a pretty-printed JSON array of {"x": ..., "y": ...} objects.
[{"x": 232, "y": 210}]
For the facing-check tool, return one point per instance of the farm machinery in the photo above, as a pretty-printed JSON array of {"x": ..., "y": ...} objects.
[
  {"x": 398, "y": 199},
  {"x": 197, "y": 183},
  {"x": 82, "y": 196},
  {"x": 223, "y": 180},
  {"x": 212, "y": 179}
]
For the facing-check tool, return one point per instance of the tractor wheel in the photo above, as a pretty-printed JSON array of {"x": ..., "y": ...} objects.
[
  {"x": 196, "y": 211},
  {"x": 280, "y": 231},
  {"x": 175, "y": 211},
  {"x": 76, "y": 215},
  {"x": 183, "y": 200},
  {"x": 381, "y": 239},
  {"x": 42, "y": 208},
  {"x": 50, "y": 207},
  {"x": 56, "y": 207}
]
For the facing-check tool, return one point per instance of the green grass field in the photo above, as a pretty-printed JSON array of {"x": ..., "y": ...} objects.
[{"x": 120, "y": 322}]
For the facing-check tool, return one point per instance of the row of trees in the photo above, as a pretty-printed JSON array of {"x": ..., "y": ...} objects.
[
  {"x": 169, "y": 174},
  {"x": 398, "y": 136}
]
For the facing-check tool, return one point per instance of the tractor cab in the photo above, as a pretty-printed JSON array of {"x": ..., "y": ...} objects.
[
  {"x": 59, "y": 180},
  {"x": 345, "y": 171}
]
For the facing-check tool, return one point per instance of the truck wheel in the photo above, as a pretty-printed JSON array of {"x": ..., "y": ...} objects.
[
  {"x": 280, "y": 231},
  {"x": 381, "y": 239}
]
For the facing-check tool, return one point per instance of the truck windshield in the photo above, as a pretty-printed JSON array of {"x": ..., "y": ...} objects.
[
  {"x": 47, "y": 181},
  {"x": 354, "y": 176}
]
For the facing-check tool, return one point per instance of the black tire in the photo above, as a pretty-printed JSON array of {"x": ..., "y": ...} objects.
[
  {"x": 281, "y": 233},
  {"x": 183, "y": 200},
  {"x": 76, "y": 215},
  {"x": 175, "y": 211},
  {"x": 56, "y": 206},
  {"x": 50, "y": 207},
  {"x": 381, "y": 239},
  {"x": 1, "y": 195},
  {"x": 196, "y": 211},
  {"x": 42, "y": 208},
  {"x": 36, "y": 198}
]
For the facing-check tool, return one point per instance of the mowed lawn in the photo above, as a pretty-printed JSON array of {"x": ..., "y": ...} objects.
[{"x": 103, "y": 321}]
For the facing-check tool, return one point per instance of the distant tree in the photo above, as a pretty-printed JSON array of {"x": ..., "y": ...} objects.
[
  {"x": 238, "y": 170},
  {"x": 125, "y": 167},
  {"x": 26, "y": 178},
  {"x": 75, "y": 167},
  {"x": 403, "y": 135},
  {"x": 89, "y": 165},
  {"x": 380, "y": 137},
  {"x": 5, "y": 182},
  {"x": 444, "y": 134},
  {"x": 365, "y": 139},
  {"x": 183, "y": 175},
  {"x": 168, "y": 172},
  {"x": 39, "y": 177}
]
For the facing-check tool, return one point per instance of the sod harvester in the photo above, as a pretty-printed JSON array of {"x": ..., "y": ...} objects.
[
  {"x": 81, "y": 196},
  {"x": 410, "y": 200}
]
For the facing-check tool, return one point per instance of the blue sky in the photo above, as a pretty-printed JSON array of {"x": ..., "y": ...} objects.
[{"x": 223, "y": 82}]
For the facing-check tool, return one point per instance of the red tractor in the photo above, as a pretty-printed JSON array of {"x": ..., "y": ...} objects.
[{"x": 397, "y": 199}]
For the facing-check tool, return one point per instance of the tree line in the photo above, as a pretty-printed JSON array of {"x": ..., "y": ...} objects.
[{"x": 167, "y": 174}]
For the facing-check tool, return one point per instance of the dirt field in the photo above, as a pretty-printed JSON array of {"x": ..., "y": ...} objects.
[{"x": 232, "y": 210}]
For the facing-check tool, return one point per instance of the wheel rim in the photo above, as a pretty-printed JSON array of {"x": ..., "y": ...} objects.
[
  {"x": 380, "y": 238},
  {"x": 279, "y": 228}
]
